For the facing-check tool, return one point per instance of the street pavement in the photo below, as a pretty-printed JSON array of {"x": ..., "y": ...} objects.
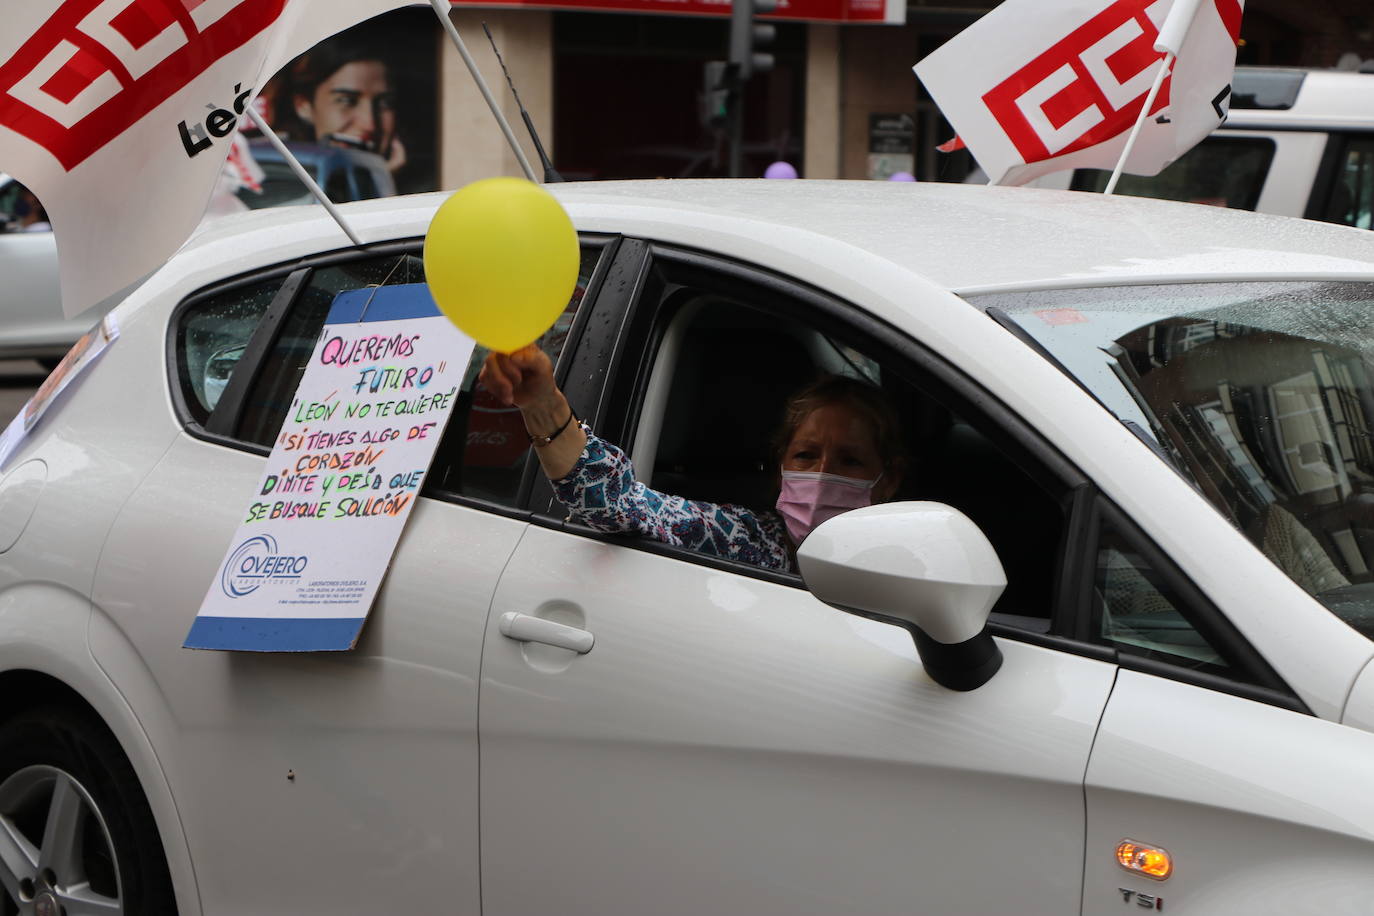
[{"x": 18, "y": 379}]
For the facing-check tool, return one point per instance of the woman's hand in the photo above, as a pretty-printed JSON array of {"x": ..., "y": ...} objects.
[{"x": 523, "y": 378}]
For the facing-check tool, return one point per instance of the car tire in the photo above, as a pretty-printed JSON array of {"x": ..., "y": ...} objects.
[{"x": 74, "y": 823}]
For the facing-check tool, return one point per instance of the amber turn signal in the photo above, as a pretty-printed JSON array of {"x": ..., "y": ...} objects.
[{"x": 1150, "y": 861}]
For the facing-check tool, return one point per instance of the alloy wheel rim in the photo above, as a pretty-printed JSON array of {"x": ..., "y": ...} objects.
[{"x": 56, "y": 855}]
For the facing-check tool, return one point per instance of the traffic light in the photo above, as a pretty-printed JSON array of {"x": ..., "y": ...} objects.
[
  {"x": 716, "y": 86},
  {"x": 748, "y": 36}
]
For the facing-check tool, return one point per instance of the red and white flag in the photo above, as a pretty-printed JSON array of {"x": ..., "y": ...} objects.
[
  {"x": 1039, "y": 86},
  {"x": 119, "y": 114}
]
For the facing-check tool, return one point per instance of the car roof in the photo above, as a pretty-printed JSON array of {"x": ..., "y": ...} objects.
[{"x": 965, "y": 238}]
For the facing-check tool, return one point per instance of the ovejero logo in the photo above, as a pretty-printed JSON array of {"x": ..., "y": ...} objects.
[
  {"x": 255, "y": 562},
  {"x": 97, "y": 67}
]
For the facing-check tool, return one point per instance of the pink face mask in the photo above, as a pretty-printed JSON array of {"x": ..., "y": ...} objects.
[{"x": 809, "y": 498}]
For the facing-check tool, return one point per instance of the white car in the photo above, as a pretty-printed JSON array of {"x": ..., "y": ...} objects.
[
  {"x": 1295, "y": 142},
  {"x": 1157, "y": 415},
  {"x": 31, "y": 322}
]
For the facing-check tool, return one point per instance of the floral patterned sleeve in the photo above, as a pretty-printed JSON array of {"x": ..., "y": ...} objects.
[{"x": 601, "y": 492}]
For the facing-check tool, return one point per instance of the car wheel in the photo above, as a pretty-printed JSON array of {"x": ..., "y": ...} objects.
[{"x": 76, "y": 833}]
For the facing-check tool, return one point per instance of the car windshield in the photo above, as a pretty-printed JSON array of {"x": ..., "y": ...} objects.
[{"x": 1261, "y": 394}]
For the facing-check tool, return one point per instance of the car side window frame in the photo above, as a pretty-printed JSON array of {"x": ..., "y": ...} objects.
[
  {"x": 175, "y": 355},
  {"x": 1255, "y": 679},
  {"x": 1328, "y": 176},
  {"x": 296, "y": 276},
  {"x": 587, "y": 363},
  {"x": 223, "y": 419},
  {"x": 622, "y": 391},
  {"x": 640, "y": 336},
  {"x": 528, "y": 490}
]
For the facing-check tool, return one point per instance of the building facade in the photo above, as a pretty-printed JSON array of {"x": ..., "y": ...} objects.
[{"x": 619, "y": 94}]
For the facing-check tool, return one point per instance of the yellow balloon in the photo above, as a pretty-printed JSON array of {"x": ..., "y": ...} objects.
[{"x": 501, "y": 259}]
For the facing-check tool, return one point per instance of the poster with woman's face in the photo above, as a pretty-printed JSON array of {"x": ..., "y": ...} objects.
[{"x": 369, "y": 91}]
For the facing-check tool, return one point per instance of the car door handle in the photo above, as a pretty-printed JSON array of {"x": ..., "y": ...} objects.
[{"x": 524, "y": 628}]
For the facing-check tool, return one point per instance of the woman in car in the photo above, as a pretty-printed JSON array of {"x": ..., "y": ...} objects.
[{"x": 838, "y": 446}]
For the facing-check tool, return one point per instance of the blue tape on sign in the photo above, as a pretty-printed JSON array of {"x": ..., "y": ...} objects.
[
  {"x": 382, "y": 303},
  {"x": 274, "y": 634}
]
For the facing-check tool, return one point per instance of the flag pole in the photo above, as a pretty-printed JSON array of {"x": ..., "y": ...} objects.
[
  {"x": 441, "y": 9},
  {"x": 1170, "y": 40},
  {"x": 1140, "y": 121},
  {"x": 301, "y": 173}
]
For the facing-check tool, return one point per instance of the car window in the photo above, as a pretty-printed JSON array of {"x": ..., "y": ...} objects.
[
  {"x": 336, "y": 185},
  {"x": 267, "y": 400},
  {"x": 484, "y": 451},
  {"x": 1145, "y": 609},
  {"x": 20, "y": 209},
  {"x": 9, "y": 196},
  {"x": 722, "y": 356},
  {"x": 280, "y": 187},
  {"x": 1137, "y": 612},
  {"x": 367, "y": 187},
  {"x": 211, "y": 338},
  {"x": 1261, "y": 394},
  {"x": 1222, "y": 171},
  {"x": 1351, "y": 200}
]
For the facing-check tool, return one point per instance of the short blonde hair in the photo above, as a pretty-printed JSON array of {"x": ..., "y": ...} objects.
[{"x": 865, "y": 399}]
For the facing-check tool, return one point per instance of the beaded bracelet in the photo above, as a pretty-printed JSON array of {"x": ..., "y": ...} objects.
[{"x": 541, "y": 441}]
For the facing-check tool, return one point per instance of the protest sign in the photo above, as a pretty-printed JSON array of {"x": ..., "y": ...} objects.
[{"x": 319, "y": 531}]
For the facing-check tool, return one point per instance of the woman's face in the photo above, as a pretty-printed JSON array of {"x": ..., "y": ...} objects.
[
  {"x": 353, "y": 107},
  {"x": 836, "y": 439}
]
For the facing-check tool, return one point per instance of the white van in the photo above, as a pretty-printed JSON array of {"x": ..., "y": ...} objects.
[{"x": 1296, "y": 143}]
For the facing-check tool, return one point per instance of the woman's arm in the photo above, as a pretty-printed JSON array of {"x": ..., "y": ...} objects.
[
  {"x": 596, "y": 480},
  {"x": 602, "y": 493}
]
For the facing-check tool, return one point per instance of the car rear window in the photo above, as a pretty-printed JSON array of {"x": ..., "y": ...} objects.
[
  {"x": 1274, "y": 90},
  {"x": 484, "y": 451},
  {"x": 211, "y": 339},
  {"x": 1221, "y": 171},
  {"x": 1261, "y": 394}
]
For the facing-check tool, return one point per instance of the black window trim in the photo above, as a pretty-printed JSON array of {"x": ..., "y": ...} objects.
[
  {"x": 224, "y": 419},
  {"x": 610, "y": 249},
  {"x": 1200, "y": 611},
  {"x": 1329, "y": 171},
  {"x": 296, "y": 276},
  {"x": 585, "y": 363},
  {"x": 175, "y": 357},
  {"x": 306, "y": 264}
]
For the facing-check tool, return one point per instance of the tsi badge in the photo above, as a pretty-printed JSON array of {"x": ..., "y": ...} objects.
[
  {"x": 1147, "y": 901},
  {"x": 255, "y": 562}
]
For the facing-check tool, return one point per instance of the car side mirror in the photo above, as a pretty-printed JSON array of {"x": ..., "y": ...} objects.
[{"x": 921, "y": 565}]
